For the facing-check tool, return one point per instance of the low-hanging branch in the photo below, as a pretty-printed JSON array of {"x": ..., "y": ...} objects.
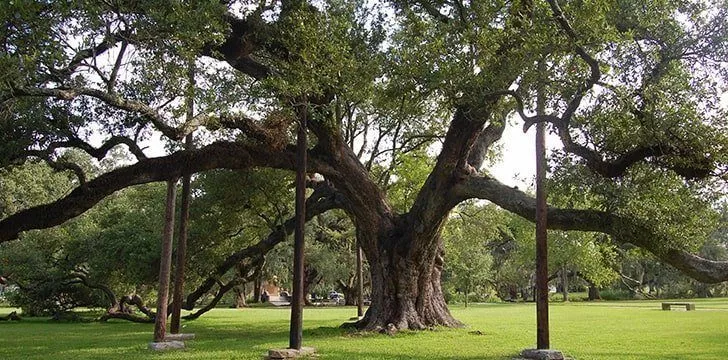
[
  {"x": 621, "y": 228},
  {"x": 121, "y": 311},
  {"x": 118, "y": 308},
  {"x": 13, "y": 316},
  {"x": 224, "y": 288},
  {"x": 323, "y": 199},
  {"x": 220, "y": 155}
]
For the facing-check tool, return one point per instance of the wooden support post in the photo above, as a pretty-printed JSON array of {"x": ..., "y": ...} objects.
[
  {"x": 297, "y": 301},
  {"x": 160, "y": 322},
  {"x": 179, "y": 269},
  {"x": 542, "y": 290},
  {"x": 184, "y": 218}
]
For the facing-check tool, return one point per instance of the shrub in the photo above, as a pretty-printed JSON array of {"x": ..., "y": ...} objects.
[{"x": 616, "y": 294}]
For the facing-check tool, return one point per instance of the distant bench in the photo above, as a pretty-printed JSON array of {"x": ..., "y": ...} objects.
[{"x": 688, "y": 305}]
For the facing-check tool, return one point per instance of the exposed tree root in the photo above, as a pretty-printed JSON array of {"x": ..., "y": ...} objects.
[
  {"x": 122, "y": 310},
  {"x": 13, "y": 316}
]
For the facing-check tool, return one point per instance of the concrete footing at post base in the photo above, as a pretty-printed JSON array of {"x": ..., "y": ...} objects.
[
  {"x": 285, "y": 354},
  {"x": 541, "y": 354},
  {"x": 171, "y": 342},
  {"x": 166, "y": 345},
  {"x": 178, "y": 337}
]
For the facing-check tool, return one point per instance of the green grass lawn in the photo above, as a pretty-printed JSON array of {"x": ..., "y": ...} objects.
[{"x": 604, "y": 330}]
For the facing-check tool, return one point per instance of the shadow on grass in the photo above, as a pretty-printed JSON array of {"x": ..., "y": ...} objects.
[
  {"x": 117, "y": 340},
  {"x": 378, "y": 355},
  {"x": 683, "y": 355},
  {"x": 248, "y": 337}
]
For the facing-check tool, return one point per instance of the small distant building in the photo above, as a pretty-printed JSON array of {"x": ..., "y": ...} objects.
[{"x": 271, "y": 288}]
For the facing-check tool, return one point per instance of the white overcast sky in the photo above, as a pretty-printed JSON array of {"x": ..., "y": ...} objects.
[{"x": 517, "y": 166}]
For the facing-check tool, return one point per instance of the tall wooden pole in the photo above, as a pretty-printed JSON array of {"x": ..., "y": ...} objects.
[
  {"x": 160, "y": 321},
  {"x": 359, "y": 281},
  {"x": 184, "y": 219},
  {"x": 296, "y": 331},
  {"x": 179, "y": 268},
  {"x": 542, "y": 290}
]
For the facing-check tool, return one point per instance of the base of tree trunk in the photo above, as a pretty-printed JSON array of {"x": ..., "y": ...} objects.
[
  {"x": 406, "y": 292},
  {"x": 411, "y": 321},
  {"x": 594, "y": 293},
  {"x": 127, "y": 317},
  {"x": 407, "y": 314}
]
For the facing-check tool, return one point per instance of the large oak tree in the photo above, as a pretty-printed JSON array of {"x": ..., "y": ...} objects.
[{"x": 632, "y": 89}]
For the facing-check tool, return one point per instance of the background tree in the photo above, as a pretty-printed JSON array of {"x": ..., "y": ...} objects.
[
  {"x": 468, "y": 263},
  {"x": 91, "y": 261}
]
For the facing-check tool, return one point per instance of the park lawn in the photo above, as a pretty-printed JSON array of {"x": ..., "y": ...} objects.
[{"x": 603, "y": 330}]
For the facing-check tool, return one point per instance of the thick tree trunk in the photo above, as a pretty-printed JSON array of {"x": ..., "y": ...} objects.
[
  {"x": 594, "y": 293},
  {"x": 349, "y": 290},
  {"x": 257, "y": 285},
  {"x": 240, "y": 295},
  {"x": 565, "y": 284},
  {"x": 243, "y": 276},
  {"x": 160, "y": 324},
  {"x": 311, "y": 278},
  {"x": 406, "y": 289}
]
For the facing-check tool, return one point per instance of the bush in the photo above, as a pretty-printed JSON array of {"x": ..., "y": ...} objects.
[
  {"x": 459, "y": 298},
  {"x": 573, "y": 296},
  {"x": 616, "y": 294},
  {"x": 51, "y": 298}
]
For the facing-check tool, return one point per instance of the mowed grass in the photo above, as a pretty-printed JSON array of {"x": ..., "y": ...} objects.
[{"x": 604, "y": 330}]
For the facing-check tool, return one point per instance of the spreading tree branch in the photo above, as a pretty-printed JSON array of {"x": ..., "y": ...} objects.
[
  {"x": 323, "y": 199},
  {"x": 616, "y": 167},
  {"x": 237, "y": 49},
  {"x": 224, "y": 288},
  {"x": 113, "y": 100},
  {"x": 485, "y": 140},
  {"x": 215, "y": 156},
  {"x": 81, "y": 56},
  {"x": 623, "y": 229}
]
